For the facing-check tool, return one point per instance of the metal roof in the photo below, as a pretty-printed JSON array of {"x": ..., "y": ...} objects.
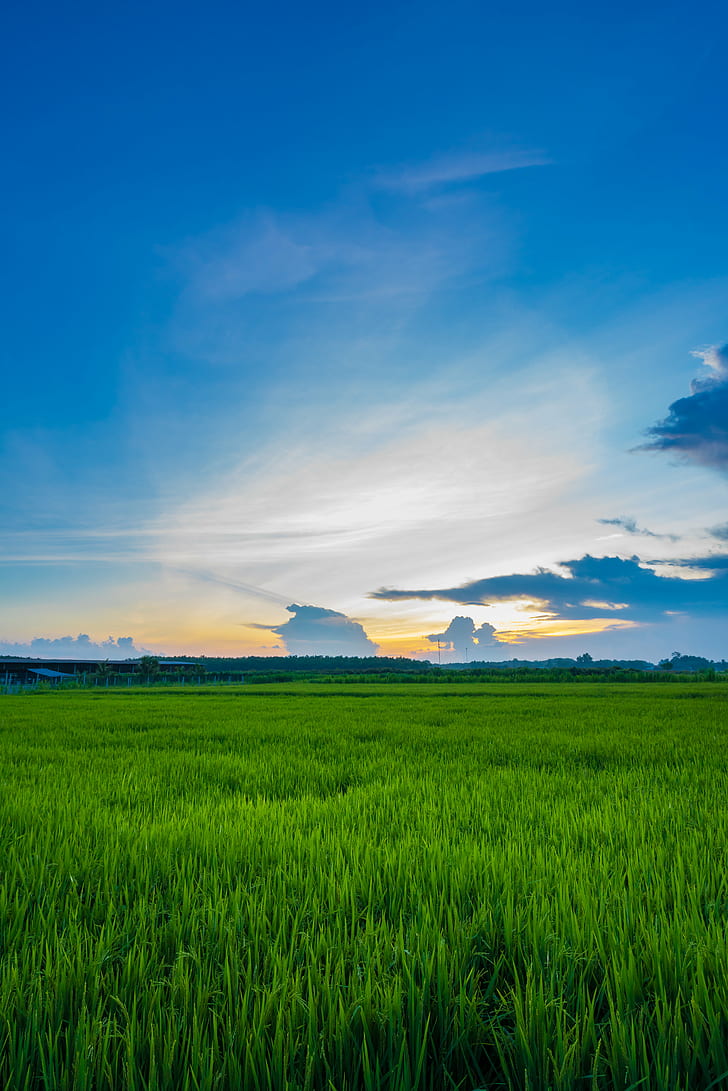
[{"x": 49, "y": 674}]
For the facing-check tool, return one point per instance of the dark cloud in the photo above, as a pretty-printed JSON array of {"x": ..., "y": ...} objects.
[
  {"x": 714, "y": 562},
  {"x": 78, "y": 647},
  {"x": 697, "y": 427},
  {"x": 630, "y": 525},
  {"x": 596, "y": 587},
  {"x": 315, "y": 631},
  {"x": 624, "y": 522},
  {"x": 720, "y": 532},
  {"x": 462, "y": 637}
]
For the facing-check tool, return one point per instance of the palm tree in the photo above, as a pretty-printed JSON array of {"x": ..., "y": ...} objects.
[
  {"x": 148, "y": 667},
  {"x": 104, "y": 672}
]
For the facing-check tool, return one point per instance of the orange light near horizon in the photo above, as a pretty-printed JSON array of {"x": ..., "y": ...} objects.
[
  {"x": 410, "y": 649},
  {"x": 515, "y": 623},
  {"x": 565, "y": 627}
]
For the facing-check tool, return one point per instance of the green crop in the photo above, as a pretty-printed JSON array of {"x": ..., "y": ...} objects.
[{"x": 375, "y": 888}]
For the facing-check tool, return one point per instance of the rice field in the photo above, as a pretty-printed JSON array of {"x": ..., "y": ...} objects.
[{"x": 322, "y": 888}]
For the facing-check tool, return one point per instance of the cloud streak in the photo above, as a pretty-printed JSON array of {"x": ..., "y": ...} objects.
[
  {"x": 463, "y": 167},
  {"x": 249, "y": 589},
  {"x": 630, "y": 526}
]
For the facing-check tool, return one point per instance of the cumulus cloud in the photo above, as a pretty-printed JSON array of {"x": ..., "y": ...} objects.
[
  {"x": 589, "y": 587},
  {"x": 315, "y": 631},
  {"x": 462, "y": 637},
  {"x": 78, "y": 647},
  {"x": 696, "y": 427}
]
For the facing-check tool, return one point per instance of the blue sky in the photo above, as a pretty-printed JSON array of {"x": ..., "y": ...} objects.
[{"x": 305, "y": 303}]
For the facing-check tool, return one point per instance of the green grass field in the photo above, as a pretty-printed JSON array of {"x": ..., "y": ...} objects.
[{"x": 362, "y": 888}]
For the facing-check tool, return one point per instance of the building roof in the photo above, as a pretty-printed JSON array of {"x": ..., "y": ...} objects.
[{"x": 48, "y": 674}]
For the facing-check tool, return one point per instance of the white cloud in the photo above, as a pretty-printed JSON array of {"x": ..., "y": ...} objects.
[
  {"x": 78, "y": 647},
  {"x": 715, "y": 357},
  {"x": 325, "y": 518},
  {"x": 256, "y": 255},
  {"x": 353, "y": 248},
  {"x": 347, "y": 251},
  {"x": 462, "y": 167},
  {"x": 314, "y": 630}
]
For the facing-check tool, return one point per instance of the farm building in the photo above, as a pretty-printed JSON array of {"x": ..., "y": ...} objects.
[{"x": 25, "y": 671}]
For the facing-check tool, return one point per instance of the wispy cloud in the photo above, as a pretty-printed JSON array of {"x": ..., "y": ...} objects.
[
  {"x": 248, "y": 589},
  {"x": 720, "y": 532},
  {"x": 346, "y": 251},
  {"x": 631, "y": 527},
  {"x": 260, "y": 253},
  {"x": 323, "y": 515},
  {"x": 460, "y": 167},
  {"x": 354, "y": 247}
]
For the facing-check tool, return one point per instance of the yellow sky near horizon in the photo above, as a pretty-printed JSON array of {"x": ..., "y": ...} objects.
[{"x": 393, "y": 636}]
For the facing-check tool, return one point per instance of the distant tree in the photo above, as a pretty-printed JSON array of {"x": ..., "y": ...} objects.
[
  {"x": 190, "y": 672},
  {"x": 148, "y": 667},
  {"x": 584, "y": 660},
  {"x": 104, "y": 673},
  {"x": 691, "y": 663}
]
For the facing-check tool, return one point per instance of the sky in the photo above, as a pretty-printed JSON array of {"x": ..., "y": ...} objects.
[{"x": 396, "y": 328}]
